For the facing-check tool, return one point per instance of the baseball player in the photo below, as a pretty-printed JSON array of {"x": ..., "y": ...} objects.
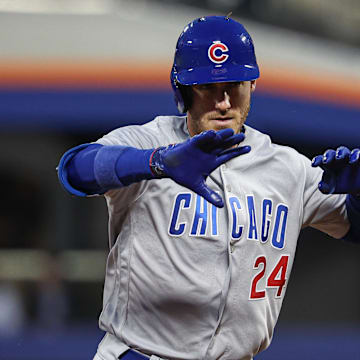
[{"x": 205, "y": 211}]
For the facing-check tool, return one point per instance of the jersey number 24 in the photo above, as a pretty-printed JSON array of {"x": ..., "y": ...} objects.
[{"x": 276, "y": 279}]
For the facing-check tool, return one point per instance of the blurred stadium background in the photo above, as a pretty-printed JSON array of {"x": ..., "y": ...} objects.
[{"x": 71, "y": 70}]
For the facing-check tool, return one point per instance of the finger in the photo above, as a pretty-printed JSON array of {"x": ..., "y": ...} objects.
[
  {"x": 231, "y": 153},
  {"x": 205, "y": 137},
  {"x": 208, "y": 140},
  {"x": 317, "y": 161},
  {"x": 228, "y": 143},
  {"x": 325, "y": 160},
  {"x": 331, "y": 159},
  {"x": 354, "y": 156},
  {"x": 233, "y": 140},
  {"x": 224, "y": 134},
  {"x": 324, "y": 187},
  {"x": 340, "y": 160},
  {"x": 328, "y": 156},
  {"x": 342, "y": 153},
  {"x": 210, "y": 195}
]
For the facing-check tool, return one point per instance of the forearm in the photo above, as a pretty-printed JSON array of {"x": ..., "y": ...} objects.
[
  {"x": 94, "y": 169},
  {"x": 353, "y": 211}
]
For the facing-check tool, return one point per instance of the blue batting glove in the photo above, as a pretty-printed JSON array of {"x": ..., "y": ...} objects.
[
  {"x": 341, "y": 171},
  {"x": 189, "y": 163}
]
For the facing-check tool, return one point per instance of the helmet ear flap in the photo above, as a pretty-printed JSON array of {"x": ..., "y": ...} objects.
[
  {"x": 182, "y": 93},
  {"x": 186, "y": 93}
]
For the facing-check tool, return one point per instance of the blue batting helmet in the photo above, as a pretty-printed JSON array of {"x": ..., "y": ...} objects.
[{"x": 212, "y": 49}]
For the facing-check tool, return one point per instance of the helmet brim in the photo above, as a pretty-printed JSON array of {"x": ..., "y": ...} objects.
[{"x": 213, "y": 74}]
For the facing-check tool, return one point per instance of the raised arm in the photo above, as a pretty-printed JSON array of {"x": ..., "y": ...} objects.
[{"x": 94, "y": 169}]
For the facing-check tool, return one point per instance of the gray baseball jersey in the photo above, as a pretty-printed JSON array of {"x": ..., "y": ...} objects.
[{"x": 187, "y": 280}]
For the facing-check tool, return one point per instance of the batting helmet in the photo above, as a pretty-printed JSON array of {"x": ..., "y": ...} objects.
[{"x": 212, "y": 49}]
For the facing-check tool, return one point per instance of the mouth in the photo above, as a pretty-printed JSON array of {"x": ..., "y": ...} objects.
[{"x": 222, "y": 119}]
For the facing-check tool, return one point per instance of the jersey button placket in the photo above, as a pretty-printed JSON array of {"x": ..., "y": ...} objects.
[
  {"x": 218, "y": 330},
  {"x": 227, "y": 189}
]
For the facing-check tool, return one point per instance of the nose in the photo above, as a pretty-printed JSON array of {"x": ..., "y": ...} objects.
[{"x": 223, "y": 103}]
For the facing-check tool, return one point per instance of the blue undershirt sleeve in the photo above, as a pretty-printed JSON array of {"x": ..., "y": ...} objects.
[
  {"x": 353, "y": 211},
  {"x": 91, "y": 169}
]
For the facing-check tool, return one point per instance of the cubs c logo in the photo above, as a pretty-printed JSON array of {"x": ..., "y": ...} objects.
[{"x": 216, "y": 52}]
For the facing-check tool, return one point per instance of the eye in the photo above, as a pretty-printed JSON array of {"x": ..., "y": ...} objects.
[
  {"x": 235, "y": 84},
  {"x": 204, "y": 86}
]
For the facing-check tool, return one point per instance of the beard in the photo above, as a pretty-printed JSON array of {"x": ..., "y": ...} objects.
[{"x": 239, "y": 118}]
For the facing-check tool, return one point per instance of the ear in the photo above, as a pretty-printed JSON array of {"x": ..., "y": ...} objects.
[{"x": 252, "y": 85}]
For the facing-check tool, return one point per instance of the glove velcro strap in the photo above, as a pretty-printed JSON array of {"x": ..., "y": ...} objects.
[{"x": 156, "y": 162}]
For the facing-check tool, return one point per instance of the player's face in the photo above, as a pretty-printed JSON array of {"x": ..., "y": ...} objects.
[{"x": 219, "y": 105}]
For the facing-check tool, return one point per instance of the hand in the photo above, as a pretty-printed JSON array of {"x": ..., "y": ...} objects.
[
  {"x": 341, "y": 171},
  {"x": 189, "y": 163}
]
